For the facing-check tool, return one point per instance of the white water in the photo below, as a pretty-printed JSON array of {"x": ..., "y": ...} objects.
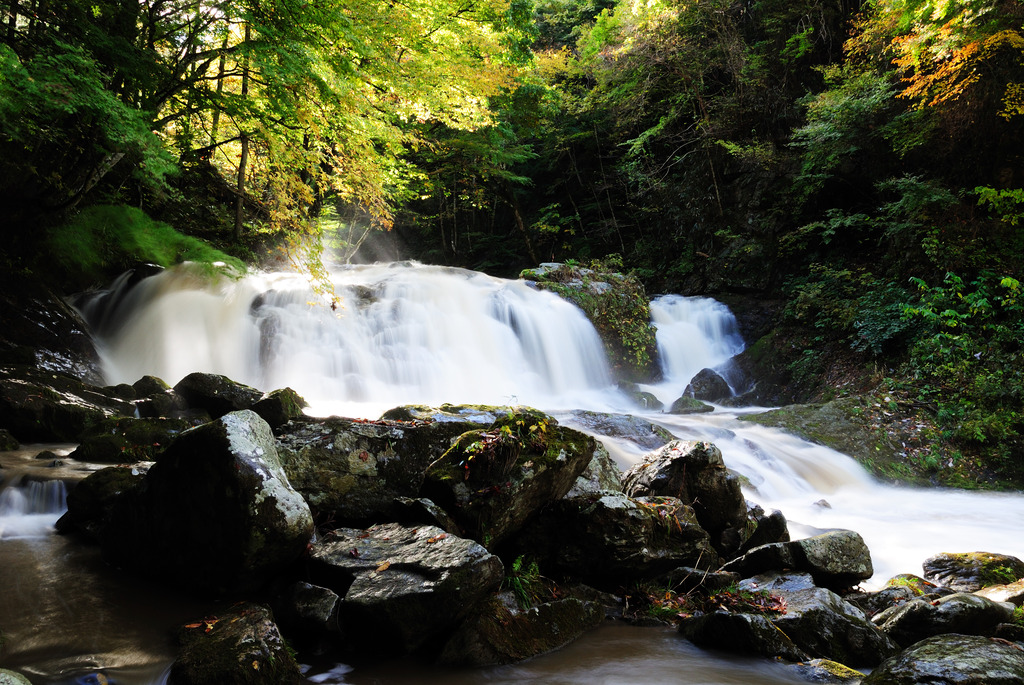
[{"x": 409, "y": 333}]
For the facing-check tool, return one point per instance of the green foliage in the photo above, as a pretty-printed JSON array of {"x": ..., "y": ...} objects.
[
  {"x": 104, "y": 240},
  {"x": 524, "y": 580}
]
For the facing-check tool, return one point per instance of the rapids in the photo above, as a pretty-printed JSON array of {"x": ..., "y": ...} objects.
[{"x": 407, "y": 333}]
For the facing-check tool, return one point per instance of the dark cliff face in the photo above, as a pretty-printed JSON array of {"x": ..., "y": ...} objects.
[{"x": 41, "y": 329}]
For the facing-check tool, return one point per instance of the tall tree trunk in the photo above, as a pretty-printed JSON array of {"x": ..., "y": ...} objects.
[
  {"x": 244, "y": 159},
  {"x": 220, "y": 89},
  {"x": 514, "y": 201},
  {"x": 12, "y": 22}
]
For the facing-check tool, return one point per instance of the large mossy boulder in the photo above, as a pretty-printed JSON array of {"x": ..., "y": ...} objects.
[
  {"x": 43, "y": 406},
  {"x": 638, "y": 431},
  {"x": 216, "y": 394},
  {"x": 608, "y": 540},
  {"x": 953, "y": 660},
  {"x": 500, "y": 632},
  {"x": 354, "y": 472},
  {"x": 618, "y": 307},
  {"x": 97, "y": 500},
  {"x": 493, "y": 481},
  {"x": 972, "y": 571},
  {"x": 402, "y": 585},
  {"x": 124, "y": 440},
  {"x": 961, "y": 613},
  {"x": 694, "y": 472},
  {"x": 241, "y": 646}
]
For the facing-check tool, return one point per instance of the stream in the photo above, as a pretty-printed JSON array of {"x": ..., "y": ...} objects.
[{"x": 408, "y": 333}]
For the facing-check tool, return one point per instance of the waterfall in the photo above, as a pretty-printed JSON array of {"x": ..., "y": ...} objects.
[
  {"x": 405, "y": 333},
  {"x": 29, "y": 508}
]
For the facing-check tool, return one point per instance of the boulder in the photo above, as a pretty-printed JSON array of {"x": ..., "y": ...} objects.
[
  {"x": 493, "y": 481},
  {"x": 7, "y": 441},
  {"x": 961, "y": 613},
  {"x": 124, "y": 440},
  {"x": 608, "y": 540},
  {"x": 474, "y": 415},
  {"x": 401, "y": 585},
  {"x": 740, "y": 632},
  {"x": 43, "y": 331},
  {"x": 156, "y": 399},
  {"x": 241, "y": 646},
  {"x": 972, "y": 571},
  {"x": 94, "y": 503},
  {"x": 278, "y": 407},
  {"x": 40, "y": 406},
  {"x": 215, "y": 513},
  {"x": 762, "y": 529},
  {"x": 1011, "y": 592},
  {"x": 827, "y": 671},
  {"x": 13, "y": 678},
  {"x": 708, "y": 385},
  {"x": 500, "y": 632},
  {"x": 823, "y": 625},
  {"x": 351, "y": 471},
  {"x": 689, "y": 405},
  {"x": 640, "y": 432},
  {"x": 953, "y": 660},
  {"x": 836, "y": 559},
  {"x": 308, "y": 614},
  {"x": 600, "y": 474},
  {"x": 694, "y": 472},
  {"x": 216, "y": 394}
]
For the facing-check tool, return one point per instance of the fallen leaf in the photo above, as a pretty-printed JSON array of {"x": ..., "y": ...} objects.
[
  {"x": 384, "y": 566},
  {"x": 442, "y": 536}
]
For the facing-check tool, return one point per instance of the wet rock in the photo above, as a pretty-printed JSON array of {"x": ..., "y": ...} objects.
[
  {"x": 708, "y": 385},
  {"x": 836, "y": 559},
  {"x": 308, "y": 614},
  {"x": 216, "y": 394},
  {"x": 762, "y": 529},
  {"x": 875, "y": 602},
  {"x": 962, "y": 613},
  {"x": 953, "y": 660},
  {"x": 1011, "y": 592},
  {"x": 493, "y": 481},
  {"x": 8, "y": 441},
  {"x": 43, "y": 331},
  {"x": 128, "y": 440},
  {"x": 633, "y": 539},
  {"x": 216, "y": 513},
  {"x": 94, "y": 504},
  {"x": 352, "y": 472},
  {"x": 774, "y": 581},
  {"x": 826, "y": 671},
  {"x": 695, "y": 473},
  {"x": 824, "y": 625},
  {"x": 600, "y": 474},
  {"x": 638, "y": 431},
  {"x": 150, "y": 385},
  {"x": 475, "y": 415},
  {"x": 13, "y": 678},
  {"x": 401, "y": 585},
  {"x": 689, "y": 405},
  {"x": 737, "y": 632},
  {"x": 278, "y": 407},
  {"x": 422, "y": 510},
  {"x": 499, "y": 632},
  {"x": 239, "y": 647},
  {"x": 685, "y": 578},
  {"x": 38, "y": 406},
  {"x": 972, "y": 571}
]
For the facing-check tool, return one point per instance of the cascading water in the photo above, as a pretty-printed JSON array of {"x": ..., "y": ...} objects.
[
  {"x": 408, "y": 333},
  {"x": 28, "y": 508}
]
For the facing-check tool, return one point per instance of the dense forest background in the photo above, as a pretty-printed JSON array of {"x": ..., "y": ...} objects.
[{"x": 854, "y": 169}]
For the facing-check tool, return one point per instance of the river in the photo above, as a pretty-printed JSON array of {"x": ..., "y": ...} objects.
[{"x": 408, "y": 333}]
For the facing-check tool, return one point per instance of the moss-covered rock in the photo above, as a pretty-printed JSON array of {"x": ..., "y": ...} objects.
[
  {"x": 953, "y": 660},
  {"x": 492, "y": 481},
  {"x": 689, "y": 405},
  {"x": 241, "y": 646},
  {"x": 618, "y": 307},
  {"x": 40, "y": 406},
  {"x": 280, "y": 406},
  {"x": 828, "y": 671},
  {"x": 7, "y": 441},
  {"x": 740, "y": 632},
  {"x": 972, "y": 571},
  {"x": 961, "y": 613},
  {"x": 126, "y": 440},
  {"x": 96, "y": 500},
  {"x": 216, "y": 394}
]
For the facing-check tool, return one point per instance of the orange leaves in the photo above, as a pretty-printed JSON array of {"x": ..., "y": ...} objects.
[
  {"x": 437, "y": 538},
  {"x": 206, "y": 624}
]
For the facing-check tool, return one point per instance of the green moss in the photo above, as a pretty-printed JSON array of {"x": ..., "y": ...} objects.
[
  {"x": 620, "y": 312},
  {"x": 104, "y": 240}
]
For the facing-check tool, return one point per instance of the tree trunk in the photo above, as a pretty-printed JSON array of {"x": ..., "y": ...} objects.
[
  {"x": 244, "y": 158},
  {"x": 514, "y": 201},
  {"x": 220, "y": 90}
]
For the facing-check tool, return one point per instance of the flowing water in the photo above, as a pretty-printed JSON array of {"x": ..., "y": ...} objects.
[{"x": 407, "y": 333}]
